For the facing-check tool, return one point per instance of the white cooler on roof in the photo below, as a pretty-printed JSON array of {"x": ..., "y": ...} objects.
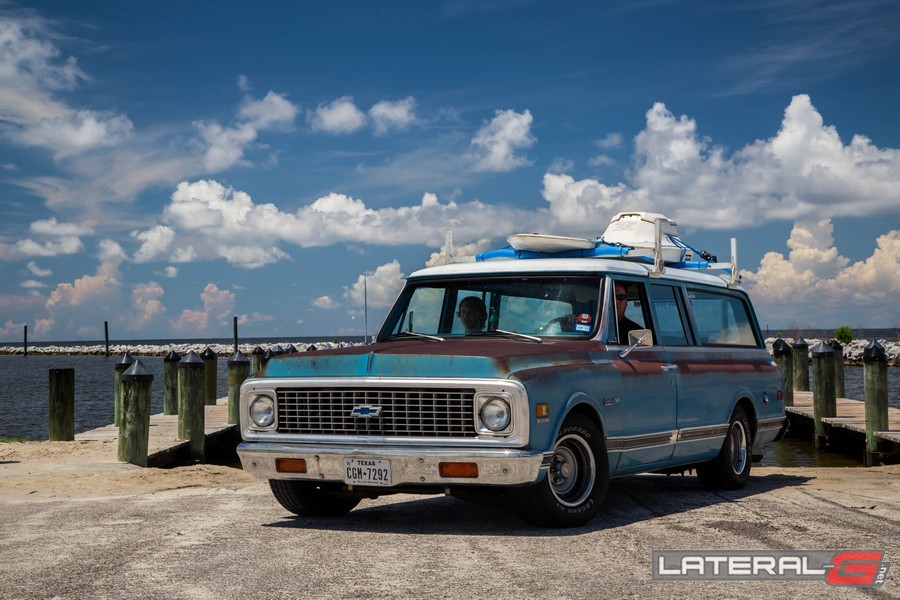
[{"x": 638, "y": 230}]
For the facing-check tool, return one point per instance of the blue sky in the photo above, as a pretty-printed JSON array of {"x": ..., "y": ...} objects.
[{"x": 165, "y": 166}]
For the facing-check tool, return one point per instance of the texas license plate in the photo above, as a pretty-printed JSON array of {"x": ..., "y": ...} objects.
[{"x": 367, "y": 471}]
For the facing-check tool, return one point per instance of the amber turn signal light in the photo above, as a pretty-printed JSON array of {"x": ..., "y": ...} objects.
[
  {"x": 458, "y": 469},
  {"x": 542, "y": 411},
  {"x": 290, "y": 465}
]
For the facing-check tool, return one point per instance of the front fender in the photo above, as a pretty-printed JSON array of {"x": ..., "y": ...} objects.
[{"x": 594, "y": 389}]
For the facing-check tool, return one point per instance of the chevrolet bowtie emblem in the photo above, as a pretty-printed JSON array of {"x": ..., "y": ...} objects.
[{"x": 365, "y": 411}]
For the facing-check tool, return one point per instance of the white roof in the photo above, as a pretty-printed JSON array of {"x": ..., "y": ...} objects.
[{"x": 566, "y": 265}]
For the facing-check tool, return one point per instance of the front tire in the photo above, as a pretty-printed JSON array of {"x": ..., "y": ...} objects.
[
  {"x": 310, "y": 499},
  {"x": 730, "y": 470},
  {"x": 571, "y": 493}
]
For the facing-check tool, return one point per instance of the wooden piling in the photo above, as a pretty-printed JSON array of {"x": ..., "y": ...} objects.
[
  {"x": 238, "y": 370},
  {"x": 256, "y": 359},
  {"x": 801, "y": 365},
  {"x": 210, "y": 363},
  {"x": 134, "y": 431},
  {"x": 62, "y": 405},
  {"x": 269, "y": 355},
  {"x": 170, "y": 383},
  {"x": 191, "y": 408},
  {"x": 876, "y": 397},
  {"x": 235, "y": 334},
  {"x": 120, "y": 367},
  {"x": 838, "y": 367},
  {"x": 824, "y": 400},
  {"x": 783, "y": 353}
]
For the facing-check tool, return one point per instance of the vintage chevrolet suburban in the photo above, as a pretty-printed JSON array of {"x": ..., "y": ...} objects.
[{"x": 575, "y": 369}]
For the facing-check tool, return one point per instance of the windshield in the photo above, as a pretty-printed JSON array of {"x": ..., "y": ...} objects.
[{"x": 532, "y": 305}]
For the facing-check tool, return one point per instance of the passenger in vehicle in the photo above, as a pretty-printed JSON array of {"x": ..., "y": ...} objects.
[
  {"x": 473, "y": 314},
  {"x": 625, "y": 324}
]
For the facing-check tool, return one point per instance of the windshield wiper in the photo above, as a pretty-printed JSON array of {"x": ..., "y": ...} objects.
[
  {"x": 513, "y": 334},
  {"x": 433, "y": 338}
]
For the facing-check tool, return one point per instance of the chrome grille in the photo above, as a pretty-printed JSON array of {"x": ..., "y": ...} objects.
[{"x": 405, "y": 412}]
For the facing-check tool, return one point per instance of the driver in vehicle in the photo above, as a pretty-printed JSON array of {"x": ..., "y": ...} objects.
[
  {"x": 625, "y": 324},
  {"x": 473, "y": 314}
]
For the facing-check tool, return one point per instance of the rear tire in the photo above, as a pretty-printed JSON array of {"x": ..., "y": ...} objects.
[
  {"x": 730, "y": 470},
  {"x": 310, "y": 499},
  {"x": 571, "y": 493}
]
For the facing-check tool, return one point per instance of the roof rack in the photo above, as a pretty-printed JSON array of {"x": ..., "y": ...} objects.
[{"x": 667, "y": 249}]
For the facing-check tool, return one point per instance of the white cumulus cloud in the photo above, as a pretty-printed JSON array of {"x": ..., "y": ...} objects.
[
  {"x": 497, "y": 143},
  {"x": 225, "y": 145},
  {"x": 816, "y": 276},
  {"x": 32, "y": 72},
  {"x": 35, "y": 270},
  {"x": 379, "y": 289},
  {"x": 217, "y": 311},
  {"x": 325, "y": 302},
  {"x": 388, "y": 115},
  {"x": 216, "y": 221},
  {"x": 57, "y": 238},
  {"x": 803, "y": 172},
  {"x": 338, "y": 117},
  {"x": 147, "y": 305}
]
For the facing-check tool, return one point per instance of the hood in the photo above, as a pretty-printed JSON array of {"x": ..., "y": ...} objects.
[{"x": 481, "y": 358}]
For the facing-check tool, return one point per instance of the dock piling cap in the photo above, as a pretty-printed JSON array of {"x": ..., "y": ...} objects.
[
  {"x": 191, "y": 361},
  {"x": 172, "y": 356},
  {"x": 137, "y": 372},
  {"x": 126, "y": 361},
  {"x": 208, "y": 353},
  {"x": 238, "y": 358},
  {"x": 781, "y": 347},
  {"x": 820, "y": 350},
  {"x": 258, "y": 351},
  {"x": 874, "y": 352},
  {"x": 800, "y": 344}
]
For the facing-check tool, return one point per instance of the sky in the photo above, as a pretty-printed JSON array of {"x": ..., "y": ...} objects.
[{"x": 166, "y": 166}]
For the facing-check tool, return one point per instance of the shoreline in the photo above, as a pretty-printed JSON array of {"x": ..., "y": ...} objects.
[
  {"x": 182, "y": 348},
  {"x": 852, "y": 352}
]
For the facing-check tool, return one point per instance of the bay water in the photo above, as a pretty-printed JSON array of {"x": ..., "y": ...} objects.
[{"x": 24, "y": 396}]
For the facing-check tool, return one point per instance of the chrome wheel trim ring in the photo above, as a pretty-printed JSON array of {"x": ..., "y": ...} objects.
[
  {"x": 737, "y": 438},
  {"x": 573, "y": 471}
]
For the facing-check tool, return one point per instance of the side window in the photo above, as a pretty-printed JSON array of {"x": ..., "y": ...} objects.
[
  {"x": 721, "y": 319},
  {"x": 669, "y": 319},
  {"x": 628, "y": 304}
]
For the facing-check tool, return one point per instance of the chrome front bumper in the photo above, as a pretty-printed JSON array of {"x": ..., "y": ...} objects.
[{"x": 409, "y": 466}]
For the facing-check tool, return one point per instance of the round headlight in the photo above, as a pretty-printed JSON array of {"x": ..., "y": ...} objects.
[
  {"x": 262, "y": 411},
  {"x": 495, "y": 414}
]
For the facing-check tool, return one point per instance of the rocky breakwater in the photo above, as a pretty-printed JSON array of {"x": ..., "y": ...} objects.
[
  {"x": 223, "y": 350},
  {"x": 853, "y": 352}
]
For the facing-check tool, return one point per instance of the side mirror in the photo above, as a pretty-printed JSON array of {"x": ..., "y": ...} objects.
[{"x": 642, "y": 338}]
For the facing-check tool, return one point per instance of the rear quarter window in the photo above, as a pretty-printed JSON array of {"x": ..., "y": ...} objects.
[{"x": 721, "y": 319}]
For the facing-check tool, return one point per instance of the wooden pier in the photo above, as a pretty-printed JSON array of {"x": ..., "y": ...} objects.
[
  {"x": 165, "y": 448},
  {"x": 848, "y": 428}
]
